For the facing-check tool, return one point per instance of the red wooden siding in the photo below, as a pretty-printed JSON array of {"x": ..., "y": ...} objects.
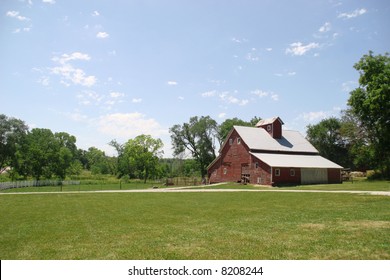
[
  {"x": 286, "y": 175},
  {"x": 334, "y": 176},
  {"x": 233, "y": 157}
]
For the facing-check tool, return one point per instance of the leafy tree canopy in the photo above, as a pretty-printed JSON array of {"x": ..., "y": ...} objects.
[{"x": 370, "y": 103}]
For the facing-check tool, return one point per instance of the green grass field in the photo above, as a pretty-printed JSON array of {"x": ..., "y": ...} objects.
[{"x": 264, "y": 225}]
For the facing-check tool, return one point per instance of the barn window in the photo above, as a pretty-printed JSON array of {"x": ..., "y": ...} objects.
[
  {"x": 225, "y": 171},
  {"x": 277, "y": 172},
  {"x": 259, "y": 180},
  {"x": 269, "y": 127},
  {"x": 238, "y": 140},
  {"x": 292, "y": 172},
  {"x": 256, "y": 165},
  {"x": 230, "y": 141}
]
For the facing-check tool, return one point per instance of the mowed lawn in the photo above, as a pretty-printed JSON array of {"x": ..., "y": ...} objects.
[{"x": 242, "y": 225}]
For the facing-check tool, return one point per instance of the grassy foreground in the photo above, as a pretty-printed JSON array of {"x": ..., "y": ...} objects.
[{"x": 267, "y": 225}]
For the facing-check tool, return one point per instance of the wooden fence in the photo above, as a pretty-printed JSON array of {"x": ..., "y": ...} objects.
[{"x": 34, "y": 183}]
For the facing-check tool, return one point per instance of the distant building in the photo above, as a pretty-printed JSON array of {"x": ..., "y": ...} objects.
[{"x": 268, "y": 155}]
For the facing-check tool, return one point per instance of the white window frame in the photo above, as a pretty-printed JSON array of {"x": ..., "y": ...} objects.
[
  {"x": 231, "y": 141},
  {"x": 277, "y": 172},
  {"x": 238, "y": 140}
]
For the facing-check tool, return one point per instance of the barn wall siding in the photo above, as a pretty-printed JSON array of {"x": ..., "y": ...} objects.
[
  {"x": 234, "y": 156},
  {"x": 260, "y": 172},
  {"x": 285, "y": 176},
  {"x": 334, "y": 176}
]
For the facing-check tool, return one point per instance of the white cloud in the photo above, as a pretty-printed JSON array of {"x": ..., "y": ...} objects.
[
  {"x": 95, "y": 14},
  {"x": 172, "y": 83},
  {"x": 260, "y": 93},
  {"x": 181, "y": 98},
  {"x": 268, "y": 49},
  {"x": 74, "y": 56},
  {"x": 136, "y": 100},
  {"x": 299, "y": 49},
  {"x": 90, "y": 97},
  {"x": 229, "y": 98},
  {"x": 325, "y": 28},
  {"x": 349, "y": 86},
  {"x": 102, "y": 35},
  {"x": 69, "y": 73},
  {"x": 221, "y": 115},
  {"x": 252, "y": 57},
  {"x": 355, "y": 13},
  {"x": 274, "y": 97},
  {"x": 226, "y": 97},
  {"x": 44, "y": 80},
  {"x": 314, "y": 116},
  {"x": 129, "y": 125},
  {"x": 16, "y": 14},
  {"x": 210, "y": 93},
  {"x": 116, "y": 94},
  {"x": 49, "y": 1}
]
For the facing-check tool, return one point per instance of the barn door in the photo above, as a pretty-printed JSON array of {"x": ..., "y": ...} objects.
[
  {"x": 314, "y": 176},
  {"x": 245, "y": 173}
]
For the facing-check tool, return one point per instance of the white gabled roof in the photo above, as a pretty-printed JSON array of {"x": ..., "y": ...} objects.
[
  {"x": 299, "y": 161},
  {"x": 259, "y": 139}
]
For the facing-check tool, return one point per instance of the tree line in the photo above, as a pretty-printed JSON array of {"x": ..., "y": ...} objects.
[{"x": 359, "y": 139}]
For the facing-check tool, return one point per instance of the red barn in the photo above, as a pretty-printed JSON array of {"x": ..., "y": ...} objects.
[{"x": 268, "y": 155}]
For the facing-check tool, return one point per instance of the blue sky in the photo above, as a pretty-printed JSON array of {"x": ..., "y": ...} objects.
[{"x": 103, "y": 70}]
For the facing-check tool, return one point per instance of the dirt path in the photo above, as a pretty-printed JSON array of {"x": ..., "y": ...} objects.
[{"x": 192, "y": 190}]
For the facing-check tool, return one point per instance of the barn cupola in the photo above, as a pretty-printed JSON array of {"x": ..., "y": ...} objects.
[{"x": 273, "y": 126}]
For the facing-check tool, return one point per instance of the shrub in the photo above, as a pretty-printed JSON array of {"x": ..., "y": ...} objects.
[{"x": 374, "y": 175}]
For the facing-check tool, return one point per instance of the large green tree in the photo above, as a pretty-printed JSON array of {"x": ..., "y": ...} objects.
[
  {"x": 12, "y": 132},
  {"x": 370, "y": 103},
  {"x": 44, "y": 154},
  {"x": 142, "y": 154},
  {"x": 198, "y": 136},
  {"x": 357, "y": 142},
  {"x": 327, "y": 139},
  {"x": 226, "y": 126}
]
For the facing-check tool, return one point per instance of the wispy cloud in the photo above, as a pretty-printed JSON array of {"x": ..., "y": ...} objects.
[
  {"x": 300, "y": 49},
  {"x": 226, "y": 97},
  {"x": 261, "y": 93},
  {"x": 349, "y": 86},
  {"x": 16, "y": 15},
  {"x": 136, "y": 100},
  {"x": 210, "y": 93},
  {"x": 49, "y": 1},
  {"x": 230, "y": 99},
  {"x": 102, "y": 35},
  {"x": 221, "y": 115},
  {"x": 129, "y": 125},
  {"x": 355, "y": 13},
  {"x": 172, "y": 83},
  {"x": 238, "y": 41},
  {"x": 95, "y": 14},
  {"x": 313, "y": 116},
  {"x": 325, "y": 28},
  {"x": 68, "y": 72}
]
